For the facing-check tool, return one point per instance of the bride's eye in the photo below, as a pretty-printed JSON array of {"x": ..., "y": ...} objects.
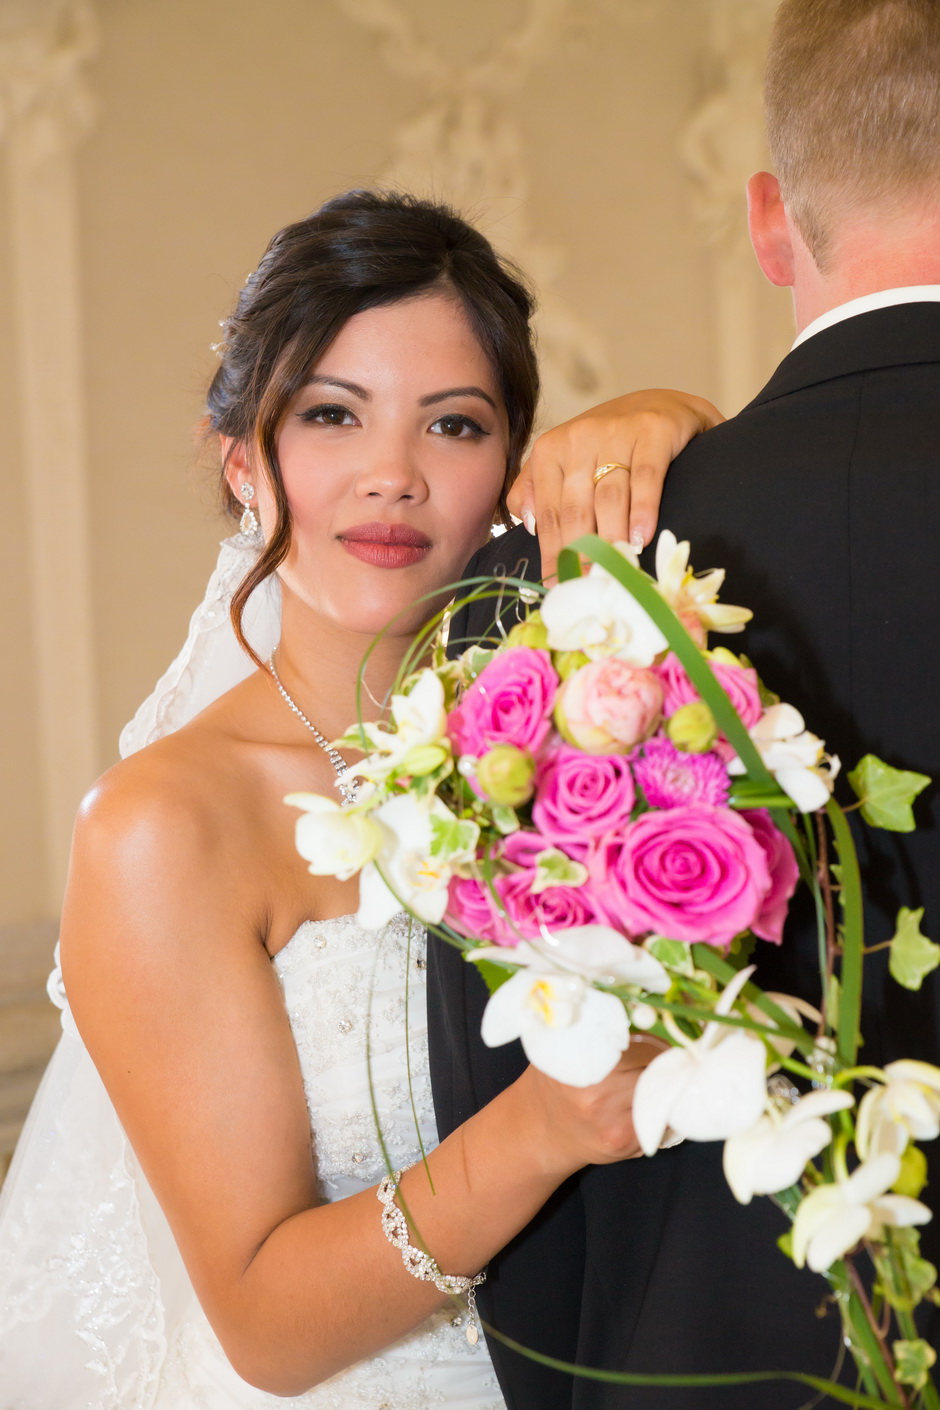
[
  {"x": 458, "y": 427},
  {"x": 328, "y": 414}
]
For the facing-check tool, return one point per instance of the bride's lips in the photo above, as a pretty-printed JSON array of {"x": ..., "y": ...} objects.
[{"x": 385, "y": 545}]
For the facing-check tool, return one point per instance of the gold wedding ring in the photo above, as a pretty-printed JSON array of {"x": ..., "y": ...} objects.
[{"x": 603, "y": 470}]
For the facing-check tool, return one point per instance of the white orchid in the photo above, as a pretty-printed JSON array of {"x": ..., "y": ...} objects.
[
  {"x": 772, "y": 1155},
  {"x": 418, "y": 722},
  {"x": 710, "y": 1088},
  {"x": 422, "y": 843},
  {"x": 832, "y": 1219},
  {"x": 691, "y": 595},
  {"x": 906, "y": 1108},
  {"x": 334, "y": 841},
  {"x": 796, "y": 758},
  {"x": 595, "y": 614},
  {"x": 569, "y": 1030}
]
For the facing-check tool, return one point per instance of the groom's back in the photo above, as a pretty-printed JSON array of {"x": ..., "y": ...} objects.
[{"x": 822, "y": 500}]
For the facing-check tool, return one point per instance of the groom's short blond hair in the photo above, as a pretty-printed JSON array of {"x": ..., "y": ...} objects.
[{"x": 852, "y": 97}]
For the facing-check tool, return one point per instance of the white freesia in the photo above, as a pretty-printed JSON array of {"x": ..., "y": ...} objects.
[
  {"x": 413, "y": 867},
  {"x": 796, "y": 758},
  {"x": 709, "y": 1089},
  {"x": 334, "y": 841},
  {"x": 772, "y": 1155},
  {"x": 691, "y": 595},
  {"x": 906, "y": 1108},
  {"x": 595, "y": 614},
  {"x": 569, "y": 1030},
  {"x": 418, "y": 719},
  {"x": 833, "y": 1218}
]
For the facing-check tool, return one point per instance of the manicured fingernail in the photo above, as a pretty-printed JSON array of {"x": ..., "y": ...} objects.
[
  {"x": 637, "y": 541},
  {"x": 528, "y": 519}
]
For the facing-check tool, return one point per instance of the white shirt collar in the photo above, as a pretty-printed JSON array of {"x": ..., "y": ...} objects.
[{"x": 885, "y": 298}]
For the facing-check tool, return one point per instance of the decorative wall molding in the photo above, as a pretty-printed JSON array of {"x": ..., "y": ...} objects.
[
  {"x": 722, "y": 145},
  {"x": 46, "y": 108},
  {"x": 462, "y": 142}
]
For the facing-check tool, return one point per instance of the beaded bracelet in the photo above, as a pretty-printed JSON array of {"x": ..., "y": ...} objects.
[{"x": 420, "y": 1264}]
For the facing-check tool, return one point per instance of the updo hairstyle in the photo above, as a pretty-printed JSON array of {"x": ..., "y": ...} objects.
[{"x": 359, "y": 251}]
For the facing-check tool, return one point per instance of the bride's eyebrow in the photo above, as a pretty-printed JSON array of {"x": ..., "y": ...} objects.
[
  {"x": 319, "y": 381},
  {"x": 435, "y": 397}
]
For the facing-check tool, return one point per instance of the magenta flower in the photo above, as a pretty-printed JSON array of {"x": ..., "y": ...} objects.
[
  {"x": 670, "y": 779},
  {"x": 510, "y": 702},
  {"x": 784, "y": 875},
  {"x": 472, "y": 911},
  {"x": 580, "y": 796},
  {"x": 693, "y": 873},
  {"x": 556, "y": 908},
  {"x": 738, "y": 682}
]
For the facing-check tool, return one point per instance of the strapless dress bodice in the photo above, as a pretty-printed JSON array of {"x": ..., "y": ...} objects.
[{"x": 96, "y": 1308}]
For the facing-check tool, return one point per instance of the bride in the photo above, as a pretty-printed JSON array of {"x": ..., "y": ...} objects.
[{"x": 191, "y": 1217}]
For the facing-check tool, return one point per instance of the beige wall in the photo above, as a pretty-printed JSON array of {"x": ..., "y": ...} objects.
[{"x": 218, "y": 121}]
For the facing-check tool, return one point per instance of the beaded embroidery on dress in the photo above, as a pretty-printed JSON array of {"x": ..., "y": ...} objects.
[{"x": 96, "y": 1309}]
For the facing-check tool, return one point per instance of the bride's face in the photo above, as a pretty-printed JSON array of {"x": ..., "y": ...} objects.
[{"x": 393, "y": 457}]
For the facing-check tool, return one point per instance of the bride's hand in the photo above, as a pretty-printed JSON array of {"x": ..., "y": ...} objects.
[{"x": 555, "y": 493}]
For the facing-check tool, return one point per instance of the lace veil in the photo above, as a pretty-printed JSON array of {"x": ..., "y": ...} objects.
[{"x": 91, "y": 1283}]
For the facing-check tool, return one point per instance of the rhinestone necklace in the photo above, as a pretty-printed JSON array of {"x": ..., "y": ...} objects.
[{"x": 350, "y": 789}]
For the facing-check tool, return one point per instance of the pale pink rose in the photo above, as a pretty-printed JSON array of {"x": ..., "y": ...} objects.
[
  {"x": 738, "y": 682},
  {"x": 694, "y": 873},
  {"x": 581, "y": 796},
  {"x": 510, "y": 702},
  {"x": 608, "y": 706},
  {"x": 784, "y": 875}
]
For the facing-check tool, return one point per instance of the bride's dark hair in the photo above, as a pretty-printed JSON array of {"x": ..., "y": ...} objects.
[{"x": 359, "y": 251}]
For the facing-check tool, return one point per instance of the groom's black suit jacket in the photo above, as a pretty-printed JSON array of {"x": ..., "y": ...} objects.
[{"x": 822, "y": 501}]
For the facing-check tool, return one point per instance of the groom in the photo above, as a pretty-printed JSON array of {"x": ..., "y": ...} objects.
[{"x": 822, "y": 500}]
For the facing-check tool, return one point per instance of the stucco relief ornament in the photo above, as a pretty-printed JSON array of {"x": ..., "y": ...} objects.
[{"x": 45, "y": 98}]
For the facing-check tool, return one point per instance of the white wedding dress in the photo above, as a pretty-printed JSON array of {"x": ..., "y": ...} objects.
[{"x": 96, "y": 1309}]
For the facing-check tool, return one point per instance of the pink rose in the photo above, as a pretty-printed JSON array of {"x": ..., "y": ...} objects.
[
  {"x": 472, "y": 911},
  {"x": 784, "y": 875},
  {"x": 694, "y": 873},
  {"x": 738, "y": 682},
  {"x": 579, "y": 796},
  {"x": 555, "y": 908},
  {"x": 608, "y": 706},
  {"x": 510, "y": 702}
]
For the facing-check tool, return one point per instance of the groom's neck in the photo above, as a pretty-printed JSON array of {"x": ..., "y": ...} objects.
[{"x": 898, "y": 249}]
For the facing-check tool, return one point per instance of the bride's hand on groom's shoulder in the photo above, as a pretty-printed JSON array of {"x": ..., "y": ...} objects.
[
  {"x": 588, "y": 1125},
  {"x": 556, "y": 493}
]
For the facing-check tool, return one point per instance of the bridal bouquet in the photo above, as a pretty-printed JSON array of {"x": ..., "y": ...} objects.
[{"x": 608, "y": 817}]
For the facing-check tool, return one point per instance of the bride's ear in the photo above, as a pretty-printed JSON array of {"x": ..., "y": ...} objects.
[{"x": 237, "y": 470}]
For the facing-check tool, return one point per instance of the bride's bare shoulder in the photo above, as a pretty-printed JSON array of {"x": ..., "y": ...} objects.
[{"x": 173, "y": 795}]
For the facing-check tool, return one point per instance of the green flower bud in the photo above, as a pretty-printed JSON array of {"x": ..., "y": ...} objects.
[
  {"x": 913, "y": 1175},
  {"x": 421, "y": 760},
  {"x": 692, "y": 728},
  {"x": 567, "y": 662},
  {"x": 506, "y": 775},
  {"x": 532, "y": 632}
]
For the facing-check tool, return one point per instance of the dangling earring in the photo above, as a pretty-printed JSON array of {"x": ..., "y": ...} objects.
[{"x": 249, "y": 525}]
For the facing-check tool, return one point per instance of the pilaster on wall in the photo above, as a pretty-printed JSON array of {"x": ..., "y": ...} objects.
[
  {"x": 721, "y": 146},
  {"x": 46, "y": 109}
]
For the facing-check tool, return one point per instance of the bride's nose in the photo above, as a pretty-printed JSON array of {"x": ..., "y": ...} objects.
[{"x": 392, "y": 474}]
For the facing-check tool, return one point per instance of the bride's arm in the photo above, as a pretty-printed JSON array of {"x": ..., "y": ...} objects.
[
  {"x": 643, "y": 430},
  {"x": 177, "y": 1001}
]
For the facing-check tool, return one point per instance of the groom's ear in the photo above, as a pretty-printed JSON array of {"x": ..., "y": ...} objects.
[{"x": 770, "y": 229}]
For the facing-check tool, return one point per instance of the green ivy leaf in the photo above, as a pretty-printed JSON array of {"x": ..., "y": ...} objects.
[
  {"x": 553, "y": 868},
  {"x": 904, "y": 1278},
  {"x": 504, "y": 818},
  {"x": 914, "y": 1360},
  {"x": 887, "y": 794},
  {"x": 450, "y": 835},
  {"x": 913, "y": 956}
]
